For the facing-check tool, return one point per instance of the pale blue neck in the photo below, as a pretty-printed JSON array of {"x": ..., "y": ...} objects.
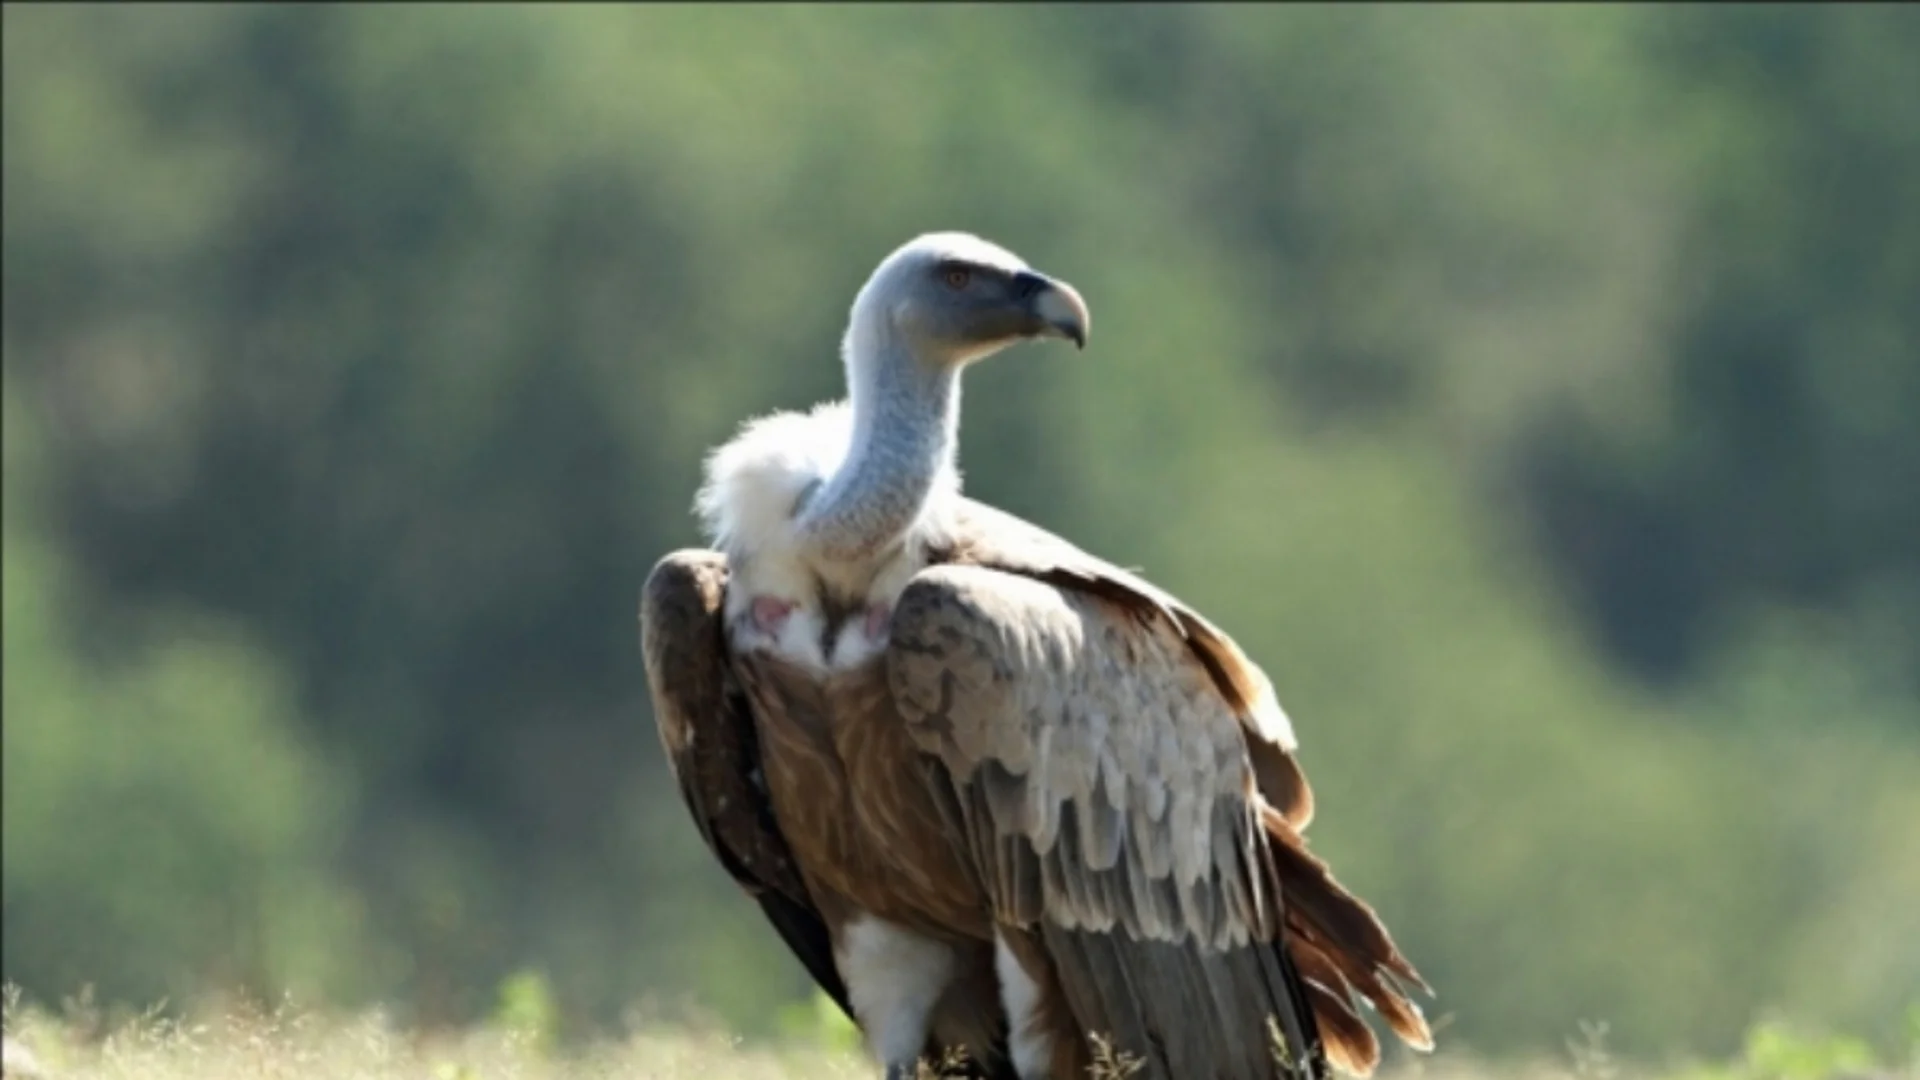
[{"x": 906, "y": 417}]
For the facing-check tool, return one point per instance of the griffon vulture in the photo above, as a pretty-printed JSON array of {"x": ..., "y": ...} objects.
[{"x": 995, "y": 793}]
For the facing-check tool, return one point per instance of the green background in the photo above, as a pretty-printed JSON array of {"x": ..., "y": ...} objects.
[{"x": 1532, "y": 391}]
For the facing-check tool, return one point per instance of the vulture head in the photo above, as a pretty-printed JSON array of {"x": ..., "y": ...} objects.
[{"x": 951, "y": 298}]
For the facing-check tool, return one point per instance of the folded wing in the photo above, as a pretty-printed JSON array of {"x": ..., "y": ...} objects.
[
  {"x": 1117, "y": 761},
  {"x": 1105, "y": 792},
  {"x": 712, "y": 747}
]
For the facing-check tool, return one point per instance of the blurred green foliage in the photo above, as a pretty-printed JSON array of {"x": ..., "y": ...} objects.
[
  {"x": 526, "y": 1008},
  {"x": 1531, "y": 390},
  {"x": 1777, "y": 1051},
  {"x": 818, "y": 1020}
]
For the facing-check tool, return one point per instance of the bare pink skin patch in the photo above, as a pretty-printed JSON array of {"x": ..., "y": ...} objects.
[
  {"x": 770, "y": 613},
  {"x": 876, "y": 624}
]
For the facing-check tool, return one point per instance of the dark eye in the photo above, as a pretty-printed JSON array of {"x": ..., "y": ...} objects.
[{"x": 957, "y": 277}]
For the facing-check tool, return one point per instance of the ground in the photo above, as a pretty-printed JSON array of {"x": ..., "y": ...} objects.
[{"x": 288, "y": 1043}]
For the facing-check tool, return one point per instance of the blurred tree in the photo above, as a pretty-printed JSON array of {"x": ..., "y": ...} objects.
[
  {"x": 1783, "y": 464},
  {"x": 166, "y": 828}
]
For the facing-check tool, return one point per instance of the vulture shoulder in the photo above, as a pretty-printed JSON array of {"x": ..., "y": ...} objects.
[
  {"x": 992, "y": 538},
  {"x": 1125, "y": 784},
  {"x": 712, "y": 747}
]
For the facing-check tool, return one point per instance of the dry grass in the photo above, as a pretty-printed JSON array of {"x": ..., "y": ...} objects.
[
  {"x": 255, "y": 1044},
  {"x": 270, "y": 1046},
  {"x": 286, "y": 1043}
]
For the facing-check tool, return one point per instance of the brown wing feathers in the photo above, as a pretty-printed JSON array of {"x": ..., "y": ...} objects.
[
  {"x": 1336, "y": 941},
  {"x": 1101, "y": 786},
  {"x": 994, "y": 538},
  {"x": 712, "y": 748},
  {"x": 1343, "y": 949}
]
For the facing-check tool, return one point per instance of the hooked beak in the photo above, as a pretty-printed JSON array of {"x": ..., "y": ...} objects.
[{"x": 1059, "y": 310}]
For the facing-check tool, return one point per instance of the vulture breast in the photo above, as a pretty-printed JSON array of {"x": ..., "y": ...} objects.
[{"x": 848, "y": 787}]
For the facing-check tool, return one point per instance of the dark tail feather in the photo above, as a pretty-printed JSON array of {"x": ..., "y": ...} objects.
[
  {"x": 1350, "y": 1044},
  {"x": 1341, "y": 946},
  {"x": 1189, "y": 1013}
]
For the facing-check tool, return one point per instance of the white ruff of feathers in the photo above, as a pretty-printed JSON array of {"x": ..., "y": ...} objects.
[{"x": 754, "y": 481}]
